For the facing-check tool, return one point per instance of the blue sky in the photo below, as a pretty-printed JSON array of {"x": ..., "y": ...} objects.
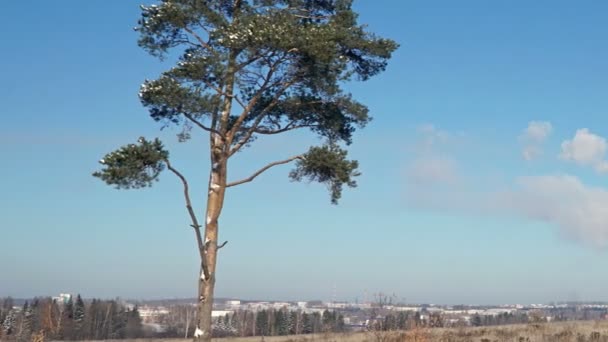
[{"x": 447, "y": 210}]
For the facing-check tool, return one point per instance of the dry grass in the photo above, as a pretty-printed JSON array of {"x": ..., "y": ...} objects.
[
  {"x": 587, "y": 331},
  {"x": 548, "y": 332}
]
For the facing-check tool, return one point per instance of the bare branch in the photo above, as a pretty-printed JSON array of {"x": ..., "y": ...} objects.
[
  {"x": 208, "y": 129},
  {"x": 241, "y": 103},
  {"x": 222, "y": 93},
  {"x": 289, "y": 127},
  {"x": 210, "y": 48},
  {"x": 260, "y": 171},
  {"x": 200, "y": 40},
  {"x": 217, "y": 90},
  {"x": 252, "y": 102},
  {"x": 265, "y": 85},
  {"x": 222, "y": 245},
  {"x": 260, "y": 117},
  {"x": 250, "y": 60},
  {"x": 195, "y": 225}
]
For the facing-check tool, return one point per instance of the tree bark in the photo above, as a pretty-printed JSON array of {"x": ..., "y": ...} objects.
[
  {"x": 206, "y": 280},
  {"x": 220, "y": 142}
]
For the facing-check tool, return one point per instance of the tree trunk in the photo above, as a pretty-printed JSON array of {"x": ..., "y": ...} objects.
[
  {"x": 206, "y": 280},
  {"x": 220, "y": 149},
  {"x": 187, "y": 321},
  {"x": 205, "y": 307}
]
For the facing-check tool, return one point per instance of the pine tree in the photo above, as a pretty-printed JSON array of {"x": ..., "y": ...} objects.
[
  {"x": 230, "y": 325},
  {"x": 249, "y": 69},
  {"x": 133, "y": 328},
  {"x": 222, "y": 327},
  {"x": 9, "y": 323},
  {"x": 5, "y": 308},
  {"x": 476, "y": 320},
  {"x": 261, "y": 323},
  {"x": 340, "y": 325},
  {"x": 402, "y": 320},
  {"x": 118, "y": 321},
  {"x": 317, "y": 324},
  {"x": 417, "y": 319},
  {"x": 307, "y": 324},
  {"x": 294, "y": 320},
  {"x": 79, "y": 310},
  {"x": 79, "y": 316},
  {"x": 286, "y": 324},
  {"x": 35, "y": 319},
  {"x": 95, "y": 320},
  {"x": 277, "y": 323},
  {"x": 66, "y": 332},
  {"x": 26, "y": 323}
]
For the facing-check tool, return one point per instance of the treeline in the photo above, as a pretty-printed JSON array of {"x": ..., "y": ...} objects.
[
  {"x": 404, "y": 320},
  {"x": 277, "y": 323},
  {"x": 46, "y": 319},
  {"x": 502, "y": 319},
  {"x": 410, "y": 320},
  {"x": 244, "y": 323}
]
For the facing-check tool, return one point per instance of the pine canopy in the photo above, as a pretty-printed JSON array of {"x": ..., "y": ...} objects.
[{"x": 252, "y": 68}]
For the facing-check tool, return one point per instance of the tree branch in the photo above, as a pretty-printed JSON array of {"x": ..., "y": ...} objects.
[
  {"x": 241, "y": 103},
  {"x": 289, "y": 127},
  {"x": 195, "y": 224},
  {"x": 260, "y": 117},
  {"x": 208, "y": 129},
  {"x": 273, "y": 67},
  {"x": 252, "y": 102},
  {"x": 200, "y": 40},
  {"x": 260, "y": 171},
  {"x": 221, "y": 93}
]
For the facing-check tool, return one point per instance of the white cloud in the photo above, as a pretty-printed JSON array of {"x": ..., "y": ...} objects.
[
  {"x": 430, "y": 165},
  {"x": 430, "y": 137},
  {"x": 580, "y": 211},
  {"x": 531, "y": 152},
  {"x": 432, "y": 170},
  {"x": 533, "y": 137},
  {"x": 586, "y": 149},
  {"x": 538, "y": 131}
]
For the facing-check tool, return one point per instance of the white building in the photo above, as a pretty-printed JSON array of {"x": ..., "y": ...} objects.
[
  {"x": 220, "y": 313},
  {"x": 406, "y": 308},
  {"x": 233, "y": 302},
  {"x": 147, "y": 311},
  {"x": 63, "y": 298}
]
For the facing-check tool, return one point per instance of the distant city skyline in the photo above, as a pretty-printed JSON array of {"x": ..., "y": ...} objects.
[
  {"x": 63, "y": 297},
  {"x": 484, "y": 171},
  {"x": 236, "y": 301}
]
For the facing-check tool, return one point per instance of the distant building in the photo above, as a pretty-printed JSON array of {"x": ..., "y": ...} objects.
[
  {"x": 220, "y": 313},
  {"x": 338, "y": 305},
  {"x": 279, "y": 305},
  {"x": 233, "y": 302},
  {"x": 63, "y": 298},
  {"x": 406, "y": 308},
  {"x": 497, "y": 311},
  {"x": 148, "y": 313}
]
